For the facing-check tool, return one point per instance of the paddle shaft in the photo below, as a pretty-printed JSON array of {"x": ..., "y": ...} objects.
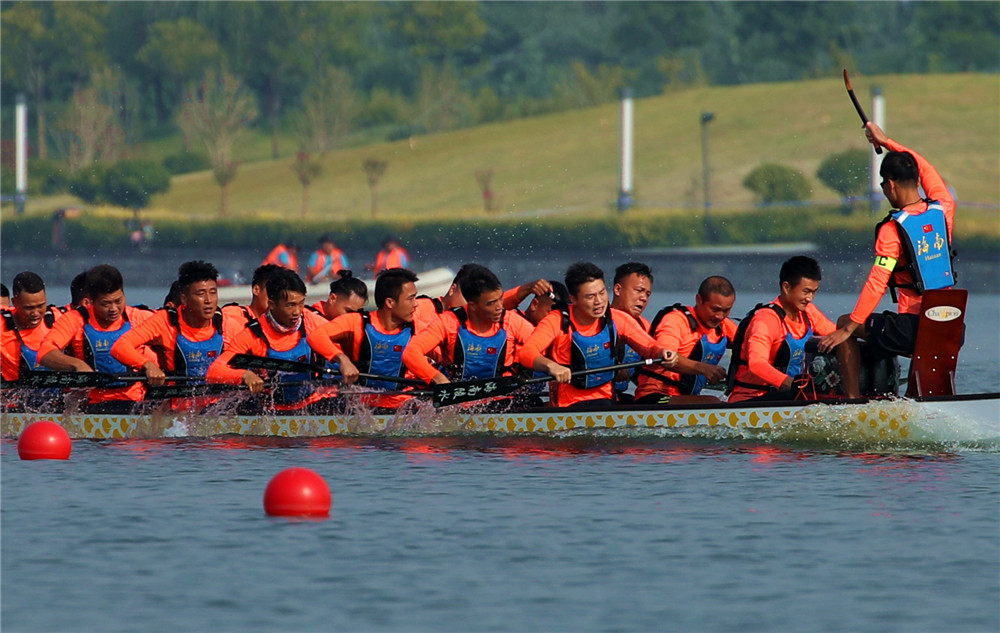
[
  {"x": 857, "y": 105},
  {"x": 249, "y": 361},
  {"x": 78, "y": 379}
]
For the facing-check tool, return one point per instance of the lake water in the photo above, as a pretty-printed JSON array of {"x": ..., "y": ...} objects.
[{"x": 520, "y": 534}]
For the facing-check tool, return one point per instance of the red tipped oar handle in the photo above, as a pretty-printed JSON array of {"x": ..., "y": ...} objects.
[{"x": 857, "y": 106}]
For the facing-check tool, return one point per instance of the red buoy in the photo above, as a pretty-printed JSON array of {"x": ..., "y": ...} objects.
[
  {"x": 44, "y": 440},
  {"x": 297, "y": 492}
]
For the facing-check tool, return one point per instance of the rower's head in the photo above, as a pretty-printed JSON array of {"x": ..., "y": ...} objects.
[
  {"x": 396, "y": 293},
  {"x": 483, "y": 294},
  {"x": 585, "y": 283},
  {"x": 291, "y": 245},
  {"x": 714, "y": 301},
  {"x": 632, "y": 287},
  {"x": 540, "y": 306},
  {"x": 173, "y": 297},
  {"x": 258, "y": 285},
  {"x": 900, "y": 178},
  {"x": 286, "y": 297},
  {"x": 347, "y": 294},
  {"x": 78, "y": 290},
  {"x": 29, "y": 300},
  {"x": 105, "y": 288},
  {"x": 799, "y": 277},
  {"x": 198, "y": 283},
  {"x": 454, "y": 297},
  {"x": 390, "y": 242},
  {"x": 327, "y": 243},
  {"x": 4, "y": 296}
]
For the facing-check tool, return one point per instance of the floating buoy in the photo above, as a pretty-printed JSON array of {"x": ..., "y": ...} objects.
[
  {"x": 297, "y": 492},
  {"x": 44, "y": 440}
]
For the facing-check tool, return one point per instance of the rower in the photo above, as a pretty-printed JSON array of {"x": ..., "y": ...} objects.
[
  {"x": 258, "y": 301},
  {"x": 428, "y": 308},
  {"x": 173, "y": 298},
  {"x": 583, "y": 335},
  {"x": 280, "y": 332},
  {"x": 191, "y": 335},
  {"x": 347, "y": 294},
  {"x": 373, "y": 342},
  {"x": 513, "y": 297},
  {"x": 769, "y": 347},
  {"x": 912, "y": 253},
  {"x": 478, "y": 341},
  {"x": 631, "y": 289},
  {"x": 4, "y": 296},
  {"x": 90, "y": 331},
  {"x": 325, "y": 262},
  {"x": 700, "y": 334},
  {"x": 24, "y": 326},
  {"x": 392, "y": 255},
  {"x": 285, "y": 254}
]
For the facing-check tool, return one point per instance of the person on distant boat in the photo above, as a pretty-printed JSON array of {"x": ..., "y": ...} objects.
[
  {"x": 325, "y": 262},
  {"x": 24, "y": 326},
  {"x": 392, "y": 255},
  {"x": 700, "y": 334},
  {"x": 191, "y": 335},
  {"x": 584, "y": 335},
  {"x": 4, "y": 296},
  {"x": 912, "y": 253},
  {"x": 285, "y": 254},
  {"x": 347, "y": 294},
  {"x": 769, "y": 347},
  {"x": 631, "y": 289},
  {"x": 428, "y": 308},
  {"x": 90, "y": 331},
  {"x": 373, "y": 342},
  {"x": 258, "y": 293},
  {"x": 280, "y": 332},
  {"x": 480, "y": 340}
]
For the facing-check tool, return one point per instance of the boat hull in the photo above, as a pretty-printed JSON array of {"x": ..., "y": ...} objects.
[{"x": 962, "y": 419}]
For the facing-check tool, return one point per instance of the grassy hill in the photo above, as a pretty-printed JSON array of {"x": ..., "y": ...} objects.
[{"x": 566, "y": 164}]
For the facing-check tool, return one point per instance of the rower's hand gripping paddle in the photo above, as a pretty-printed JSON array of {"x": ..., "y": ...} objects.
[{"x": 857, "y": 106}]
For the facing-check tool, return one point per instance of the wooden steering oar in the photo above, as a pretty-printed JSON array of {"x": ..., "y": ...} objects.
[{"x": 857, "y": 106}]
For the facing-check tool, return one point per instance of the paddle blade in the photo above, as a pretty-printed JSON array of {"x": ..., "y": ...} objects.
[
  {"x": 459, "y": 392},
  {"x": 71, "y": 379}
]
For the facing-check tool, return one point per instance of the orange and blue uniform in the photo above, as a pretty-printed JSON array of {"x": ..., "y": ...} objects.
[
  {"x": 322, "y": 264},
  {"x": 19, "y": 348},
  {"x": 395, "y": 258},
  {"x": 282, "y": 256}
]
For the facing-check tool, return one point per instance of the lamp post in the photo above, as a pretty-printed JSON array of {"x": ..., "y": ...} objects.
[
  {"x": 706, "y": 117},
  {"x": 625, "y": 188}
]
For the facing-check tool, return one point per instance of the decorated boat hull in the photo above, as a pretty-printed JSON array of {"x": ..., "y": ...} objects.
[{"x": 963, "y": 420}]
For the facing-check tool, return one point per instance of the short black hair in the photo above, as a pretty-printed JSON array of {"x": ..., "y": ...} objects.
[
  {"x": 103, "y": 279},
  {"x": 716, "y": 285},
  {"x": 283, "y": 281},
  {"x": 78, "y": 288},
  {"x": 462, "y": 272},
  {"x": 4, "y": 292},
  {"x": 559, "y": 292},
  {"x": 477, "y": 280},
  {"x": 173, "y": 295},
  {"x": 633, "y": 268},
  {"x": 347, "y": 284},
  {"x": 580, "y": 273},
  {"x": 798, "y": 268},
  {"x": 27, "y": 281},
  {"x": 195, "y": 271},
  {"x": 389, "y": 284},
  {"x": 901, "y": 167},
  {"x": 261, "y": 274}
]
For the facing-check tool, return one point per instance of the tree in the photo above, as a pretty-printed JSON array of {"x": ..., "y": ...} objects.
[
  {"x": 847, "y": 173},
  {"x": 217, "y": 112},
  {"x": 93, "y": 128},
  {"x": 484, "y": 177},
  {"x": 131, "y": 183},
  {"x": 777, "y": 183},
  {"x": 175, "y": 53},
  {"x": 441, "y": 103},
  {"x": 306, "y": 169},
  {"x": 330, "y": 109},
  {"x": 374, "y": 170}
]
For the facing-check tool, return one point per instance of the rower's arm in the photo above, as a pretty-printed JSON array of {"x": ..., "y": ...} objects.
[
  {"x": 427, "y": 340},
  {"x": 62, "y": 334}
]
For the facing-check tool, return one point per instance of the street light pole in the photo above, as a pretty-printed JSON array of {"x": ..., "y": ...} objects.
[{"x": 706, "y": 117}]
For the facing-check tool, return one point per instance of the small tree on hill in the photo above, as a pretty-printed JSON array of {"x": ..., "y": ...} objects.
[
  {"x": 374, "y": 170},
  {"x": 846, "y": 173},
  {"x": 484, "y": 177},
  {"x": 777, "y": 183},
  {"x": 217, "y": 112},
  {"x": 131, "y": 184},
  {"x": 306, "y": 169}
]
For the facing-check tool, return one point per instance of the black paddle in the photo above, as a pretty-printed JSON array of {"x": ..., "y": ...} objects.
[
  {"x": 459, "y": 392},
  {"x": 249, "y": 361},
  {"x": 857, "y": 106},
  {"x": 76, "y": 379},
  {"x": 165, "y": 392}
]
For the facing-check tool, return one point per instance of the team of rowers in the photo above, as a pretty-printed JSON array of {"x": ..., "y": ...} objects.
[{"x": 477, "y": 331}]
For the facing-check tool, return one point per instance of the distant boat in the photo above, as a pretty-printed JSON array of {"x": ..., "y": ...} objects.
[{"x": 779, "y": 249}]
